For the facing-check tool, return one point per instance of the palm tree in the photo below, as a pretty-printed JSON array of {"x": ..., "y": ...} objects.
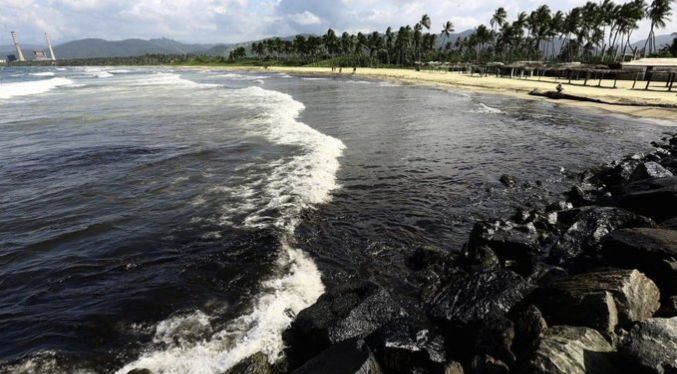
[
  {"x": 330, "y": 41},
  {"x": 425, "y": 21},
  {"x": 498, "y": 19},
  {"x": 658, "y": 13},
  {"x": 447, "y": 29},
  {"x": 389, "y": 43},
  {"x": 375, "y": 44}
]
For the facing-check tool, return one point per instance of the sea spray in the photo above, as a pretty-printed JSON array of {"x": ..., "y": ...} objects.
[{"x": 295, "y": 283}]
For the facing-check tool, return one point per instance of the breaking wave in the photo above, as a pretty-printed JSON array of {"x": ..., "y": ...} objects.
[
  {"x": 293, "y": 185},
  {"x": 43, "y": 74},
  {"x": 162, "y": 79},
  {"x": 9, "y": 90}
]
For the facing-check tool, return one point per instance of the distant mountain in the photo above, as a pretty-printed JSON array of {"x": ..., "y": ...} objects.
[
  {"x": 661, "y": 41},
  {"x": 87, "y": 48}
]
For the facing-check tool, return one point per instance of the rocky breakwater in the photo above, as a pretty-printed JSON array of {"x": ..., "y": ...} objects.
[{"x": 586, "y": 285}]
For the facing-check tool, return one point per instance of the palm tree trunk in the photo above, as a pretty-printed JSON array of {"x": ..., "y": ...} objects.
[{"x": 648, "y": 38}]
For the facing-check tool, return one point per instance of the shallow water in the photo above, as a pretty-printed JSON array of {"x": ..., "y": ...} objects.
[{"x": 177, "y": 220}]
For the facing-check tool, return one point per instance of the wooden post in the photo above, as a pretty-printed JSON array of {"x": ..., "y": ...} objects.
[
  {"x": 587, "y": 75},
  {"x": 615, "y": 78},
  {"x": 649, "y": 72},
  {"x": 601, "y": 76},
  {"x": 672, "y": 81},
  {"x": 635, "y": 82}
]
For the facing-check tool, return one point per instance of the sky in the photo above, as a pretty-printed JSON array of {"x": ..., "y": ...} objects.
[{"x": 228, "y": 21}]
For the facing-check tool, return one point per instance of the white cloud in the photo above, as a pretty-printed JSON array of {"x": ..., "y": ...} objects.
[
  {"x": 305, "y": 19},
  {"x": 240, "y": 20}
]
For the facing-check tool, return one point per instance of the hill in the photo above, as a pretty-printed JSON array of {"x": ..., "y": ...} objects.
[{"x": 88, "y": 48}]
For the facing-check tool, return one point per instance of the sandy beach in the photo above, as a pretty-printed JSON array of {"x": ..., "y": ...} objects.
[{"x": 655, "y": 103}]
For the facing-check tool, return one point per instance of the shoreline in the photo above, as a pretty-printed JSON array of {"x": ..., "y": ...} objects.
[{"x": 656, "y": 105}]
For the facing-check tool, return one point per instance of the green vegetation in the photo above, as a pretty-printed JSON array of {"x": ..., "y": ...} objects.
[{"x": 592, "y": 33}]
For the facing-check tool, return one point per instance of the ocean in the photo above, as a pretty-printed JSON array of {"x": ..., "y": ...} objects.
[{"x": 178, "y": 219}]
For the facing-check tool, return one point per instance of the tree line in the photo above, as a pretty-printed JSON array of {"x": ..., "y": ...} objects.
[{"x": 594, "y": 33}]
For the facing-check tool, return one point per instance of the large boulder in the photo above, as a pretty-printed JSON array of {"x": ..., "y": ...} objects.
[
  {"x": 354, "y": 310},
  {"x": 652, "y": 251},
  {"x": 404, "y": 344},
  {"x": 583, "y": 230},
  {"x": 572, "y": 350},
  {"x": 255, "y": 364},
  {"x": 485, "y": 364},
  {"x": 475, "y": 307},
  {"x": 529, "y": 326},
  {"x": 652, "y": 346},
  {"x": 600, "y": 300},
  {"x": 482, "y": 295},
  {"x": 511, "y": 242},
  {"x": 651, "y": 169},
  {"x": 349, "y": 357},
  {"x": 655, "y": 198}
]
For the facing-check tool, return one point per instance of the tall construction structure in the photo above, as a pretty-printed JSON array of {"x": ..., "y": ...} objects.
[
  {"x": 19, "y": 54},
  {"x": 49, "y": 45}
]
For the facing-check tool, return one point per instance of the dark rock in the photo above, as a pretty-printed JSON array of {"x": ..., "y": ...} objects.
[
  {"x": 403, "y": 344},
  {"x": 485, "y": 364},
  {"x": 652, "y": 346},
  {"x": 255, "y": 364},
  {"x": 529, "y": 326},
  {"x": 648, "y": 170},
  {"x": 483, "y": 258},
  {"x": 584, "y": 229},
  {"x": 651, "y": 251},
  {"x": 659, "y": 203},
  {"x": 425, "y": 256},
  {"x": 433, "y": 267},
  {"x": 668, "y": 307},
  {"x": 495, "y": 337},
  {"x": 544, "y": 273},
  {"x": 600, "y": 300},
  {"x": 453, "y": 367},
  {"x": 582, "y": 195},
  {"x": 512, "y": 243},
  {"x": 354, "y": 310},
  {"x": 572, "y": 350},
  {"x": 139, "y": 371},
  {"x": 557, "y": 206},
  {"x": 348, "y": 357},
  {"x": 670, "y": 224},
  {"x": 462, "y": 307},
  {"x": 485, "y": 294},
  {"x": 508, "y": 180},
  {"x": 648, "y": 185}
]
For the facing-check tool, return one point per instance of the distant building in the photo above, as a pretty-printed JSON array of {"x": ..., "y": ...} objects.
[
  {"x": 11, "y": 58},
  {"x": 2, "y": 62},
  {"x": 39, "y": 56}
]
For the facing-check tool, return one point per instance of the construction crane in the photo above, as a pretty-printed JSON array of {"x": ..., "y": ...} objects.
[
  {"x": 19, "y": 54},
  {"x": 49, "y": 45}
]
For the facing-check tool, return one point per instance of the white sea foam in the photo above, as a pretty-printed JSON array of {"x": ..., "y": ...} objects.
[
  {"x": 103, "y": 74},
  {"x": 120, "y": 71},
  {"x": 43, "y": 74},
  {"x": 242, "y": 77},
  {"x": 169, "y": 79},
  {"x": 487, "y": 109},
  {"x": 9, "y": 90},
  {"x": 314, "y": 79},
  {"x": 293, "y": 185}
]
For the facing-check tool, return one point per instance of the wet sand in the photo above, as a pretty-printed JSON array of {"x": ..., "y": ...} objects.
[{"x": 654, "y": 103}]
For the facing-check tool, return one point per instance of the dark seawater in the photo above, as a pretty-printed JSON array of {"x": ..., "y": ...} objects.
[{"x": 176, "y": 220}]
